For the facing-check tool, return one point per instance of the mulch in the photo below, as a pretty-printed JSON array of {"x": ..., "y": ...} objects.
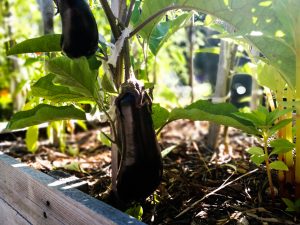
[{"x": 199, "y": 186}]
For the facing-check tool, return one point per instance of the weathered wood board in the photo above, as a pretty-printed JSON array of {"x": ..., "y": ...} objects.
[{"x": 28, "y": 196}]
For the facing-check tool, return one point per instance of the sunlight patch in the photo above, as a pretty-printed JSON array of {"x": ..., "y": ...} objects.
[
  {"x": 256, "y": 33},
  {"x": 265, "y": 3},
  {"x": 279, "y": 33}
]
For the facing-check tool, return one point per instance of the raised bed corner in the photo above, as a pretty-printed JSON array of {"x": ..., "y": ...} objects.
[{"x": 28, "y": 196}]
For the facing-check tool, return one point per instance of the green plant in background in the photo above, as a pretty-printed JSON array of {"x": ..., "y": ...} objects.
[
  {"x": 266, "y": 126},
  {"x": 292, "y": 206}
]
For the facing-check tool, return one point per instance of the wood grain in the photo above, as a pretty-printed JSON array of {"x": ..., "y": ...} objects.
[{"x": 40, "y": 199}]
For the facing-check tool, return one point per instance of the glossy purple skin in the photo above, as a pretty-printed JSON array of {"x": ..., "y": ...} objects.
[{"x": 79, "y": 28}]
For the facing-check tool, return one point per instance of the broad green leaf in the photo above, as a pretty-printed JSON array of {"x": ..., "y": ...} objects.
[
  {"x": 159, "y": 116},
  {"x": 255, "y": 151},
  {"x": 268, "y": 76},
  {"x": 75, "y": 74},
  {"x": 46, "y": 43},
  {"x": 260, "y": 23},
  {"x": 31, "y": 139},
  {"x": 251, "y": 117},
  {"x": 164, "y": 30},
  {"x": 279, "y": 125},
  {"x": 201, "y": 115},
  {"x": 44, "y": 113},
  {"x": 136, "y": 12},
  {"x": 258, "y": 159},
  {"x": 278, "y": 165},
  {"x": 47, "y": 89}
]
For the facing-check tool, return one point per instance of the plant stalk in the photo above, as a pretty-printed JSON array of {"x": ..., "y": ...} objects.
[{"x": 265, "y": 137}]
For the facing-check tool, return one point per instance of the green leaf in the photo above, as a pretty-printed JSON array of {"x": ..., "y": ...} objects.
[
  {"x": 278, "y": 165},
  {"x": 290, "y": 205},
  {"x": 108, "y": 84},
  {"x": 73, "y": 166},
  {"x": 135, "y": 211},
  {"x": 274, "y": 115},
  {"x": 279, "y": 125},
  {"x": 103, "y": 138},
  {"x": 44, "y": 113},
  {"x": 282, "y": 143},
  {"x": 168, "y": 150},
  {"x": 252, "y": 117},
  {"x": 164, "y": 30},
  {"x": 47, "y": 89},
  {"x": 31, "y": 139},
  {"x": 75, "y": 74},
  {"x": 222, "y": 113},
  {"x": 160, "y": 116},
  {"x": 258, "y": 159},
  {"x": 136, "y": 12},
  {"x": 268, "y": 27},
  {"x": 255, "y": 151},
  {"x": 278, "y": 151},
  {"x": 46, "y": 43}
]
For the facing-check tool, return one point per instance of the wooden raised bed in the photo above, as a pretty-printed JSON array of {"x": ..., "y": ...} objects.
[{"x": 28, "y": 196}]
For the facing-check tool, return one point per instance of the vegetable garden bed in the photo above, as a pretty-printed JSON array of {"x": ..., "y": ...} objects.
[{"x": 28, "y": 196}]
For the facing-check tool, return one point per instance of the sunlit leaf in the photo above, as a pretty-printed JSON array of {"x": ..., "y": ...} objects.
[
  {"x": 164, "y": 30},
  {"x": 160, "y": 116},
  {"x": 278, "y": 165},
  {"x": 46, "y": 43},
  {"x": 258, "y": 159},
  {"x": 44, "y": 113},
  {"x": 279, "y": 125},
  {"x": 31, "y": 139},
  {"x": 255, "y": 151},
  {"x": 47, "y": 89}
]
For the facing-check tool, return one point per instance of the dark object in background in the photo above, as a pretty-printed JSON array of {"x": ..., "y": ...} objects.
[
  {"x": 79, "y": 28},
  {"x": 241, "y": 90},
  {"x": 140, "y": 166},
  {"x": 206, "y": 63}
]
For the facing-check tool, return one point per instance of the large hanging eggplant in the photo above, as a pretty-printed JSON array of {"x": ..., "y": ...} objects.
[
  {"x": 140, "y": 166},
  {"x": 79, "y": 28}
]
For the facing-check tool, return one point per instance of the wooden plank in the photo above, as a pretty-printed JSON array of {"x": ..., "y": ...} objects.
[
  {"x": 8, "y": 215},
  {"x": 41, "y": 199}
]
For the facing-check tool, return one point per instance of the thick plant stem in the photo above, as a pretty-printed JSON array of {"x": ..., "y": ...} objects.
[{"x": 268, "y": 166}]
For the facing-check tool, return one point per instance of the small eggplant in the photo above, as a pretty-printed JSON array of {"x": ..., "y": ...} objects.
[
  {"x": 140, "y": 166},
  {"x": 79, "y": 28}
]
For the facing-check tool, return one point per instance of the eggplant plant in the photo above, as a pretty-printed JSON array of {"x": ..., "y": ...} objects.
[{"x": 71, "y": 81}]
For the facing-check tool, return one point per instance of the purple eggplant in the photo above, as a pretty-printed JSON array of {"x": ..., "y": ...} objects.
[
  {"x": 79, "y": 28},
  {"x": 140, "y": 166}
]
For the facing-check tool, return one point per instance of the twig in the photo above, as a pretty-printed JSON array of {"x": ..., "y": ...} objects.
[
  {"x": 225, "y": 184},
  {"x": 129, "y": 13},
  {"x": 111, "y": 19}
]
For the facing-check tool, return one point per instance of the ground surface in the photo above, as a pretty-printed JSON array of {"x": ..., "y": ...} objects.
[{"x": 199, "y": 185}]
